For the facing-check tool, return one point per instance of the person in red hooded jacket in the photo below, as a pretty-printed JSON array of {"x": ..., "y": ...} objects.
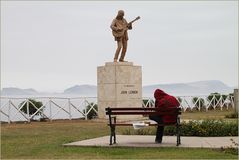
[{"x": 163, "y": 100}]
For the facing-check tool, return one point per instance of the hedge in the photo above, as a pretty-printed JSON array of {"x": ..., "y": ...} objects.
[{"x": 205, "y": 128}]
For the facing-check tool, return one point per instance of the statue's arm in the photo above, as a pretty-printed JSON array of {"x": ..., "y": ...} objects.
[
  {"x": 113, "y": 26},
  {"x": 129, "y": 25}
]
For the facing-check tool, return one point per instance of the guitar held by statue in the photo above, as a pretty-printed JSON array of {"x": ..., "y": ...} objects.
[{"x": 121, "y": 29}]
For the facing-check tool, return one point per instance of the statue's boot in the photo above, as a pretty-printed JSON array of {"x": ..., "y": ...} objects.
[{"x": 122, "y": 61}]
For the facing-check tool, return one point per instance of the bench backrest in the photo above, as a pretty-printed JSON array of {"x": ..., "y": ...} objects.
[{"x": 143, "y": 111}]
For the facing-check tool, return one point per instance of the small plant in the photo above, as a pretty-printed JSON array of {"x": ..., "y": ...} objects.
[
  {"x": 232, "y": 115},
  {"x": 233, "y": 148}
]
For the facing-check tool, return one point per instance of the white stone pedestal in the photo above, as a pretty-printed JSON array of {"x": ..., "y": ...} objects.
[{"x": 119, "y": 84}]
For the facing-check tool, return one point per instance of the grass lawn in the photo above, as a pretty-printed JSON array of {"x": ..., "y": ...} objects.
[
  {"x": 43, "y": 140},
  {"x": 210, "y": 114}
]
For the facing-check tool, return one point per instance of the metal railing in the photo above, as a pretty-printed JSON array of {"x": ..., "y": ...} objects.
[{"x": 20, "y": 109}]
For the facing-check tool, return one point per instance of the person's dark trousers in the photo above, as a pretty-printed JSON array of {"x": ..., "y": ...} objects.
[{"x": 160, "y": 129}]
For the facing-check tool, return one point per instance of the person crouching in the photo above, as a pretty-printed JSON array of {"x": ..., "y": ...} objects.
[{"x": 163, "y": 101}]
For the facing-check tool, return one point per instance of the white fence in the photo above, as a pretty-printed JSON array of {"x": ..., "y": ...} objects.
[
  {"x": 206, "y": 102},
  {"x": 51, "y": 108},
  {"x": 73, "y": 108},
  {"x": 201, "y": 102}
]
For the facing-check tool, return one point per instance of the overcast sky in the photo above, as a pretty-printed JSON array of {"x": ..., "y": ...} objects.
[{"x": 50, "y": 46}]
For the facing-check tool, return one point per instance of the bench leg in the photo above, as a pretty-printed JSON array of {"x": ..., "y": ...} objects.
[
  {"x": 111, "y": 134},
  {"x": 111, "y": 128},
  {"x": 114, "y": 134},
  {"x": 179, "y": 136},
  {"x": 114, "y": 118},
  {"x": 178, "y": 132}
]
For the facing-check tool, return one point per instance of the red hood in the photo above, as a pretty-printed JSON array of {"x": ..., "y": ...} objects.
[{"x": 158, "y": 94}]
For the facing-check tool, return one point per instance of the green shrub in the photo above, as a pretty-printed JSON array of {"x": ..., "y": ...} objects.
[
  {"x": 143, "y": 131},
  {"x": 214, "y": 128},
  {"x": 147, "y": 103},
  {"x": 179, "y": 99},
  {"x": 216, "y": 100},
  {"x": 92, "y": 114},
  {"x": 199, "y": 102},
  {"x": 231, "y": 99},
  {"x": 33, "y": 107},
  {"x": 231, "y": 95},
  {"x": 205, "y": 128}
]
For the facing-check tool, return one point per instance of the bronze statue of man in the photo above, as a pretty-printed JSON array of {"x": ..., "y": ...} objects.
[{"x": 119, "y": 28}]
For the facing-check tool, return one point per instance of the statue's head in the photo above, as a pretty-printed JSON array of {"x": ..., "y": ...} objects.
[{"x": 120, "y": 14}]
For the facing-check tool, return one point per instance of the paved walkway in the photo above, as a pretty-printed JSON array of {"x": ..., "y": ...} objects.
[{"x": 148, "y": 141}]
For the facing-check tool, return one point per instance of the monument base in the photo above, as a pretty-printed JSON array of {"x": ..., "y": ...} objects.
[{"x": 119, "y": 85}]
